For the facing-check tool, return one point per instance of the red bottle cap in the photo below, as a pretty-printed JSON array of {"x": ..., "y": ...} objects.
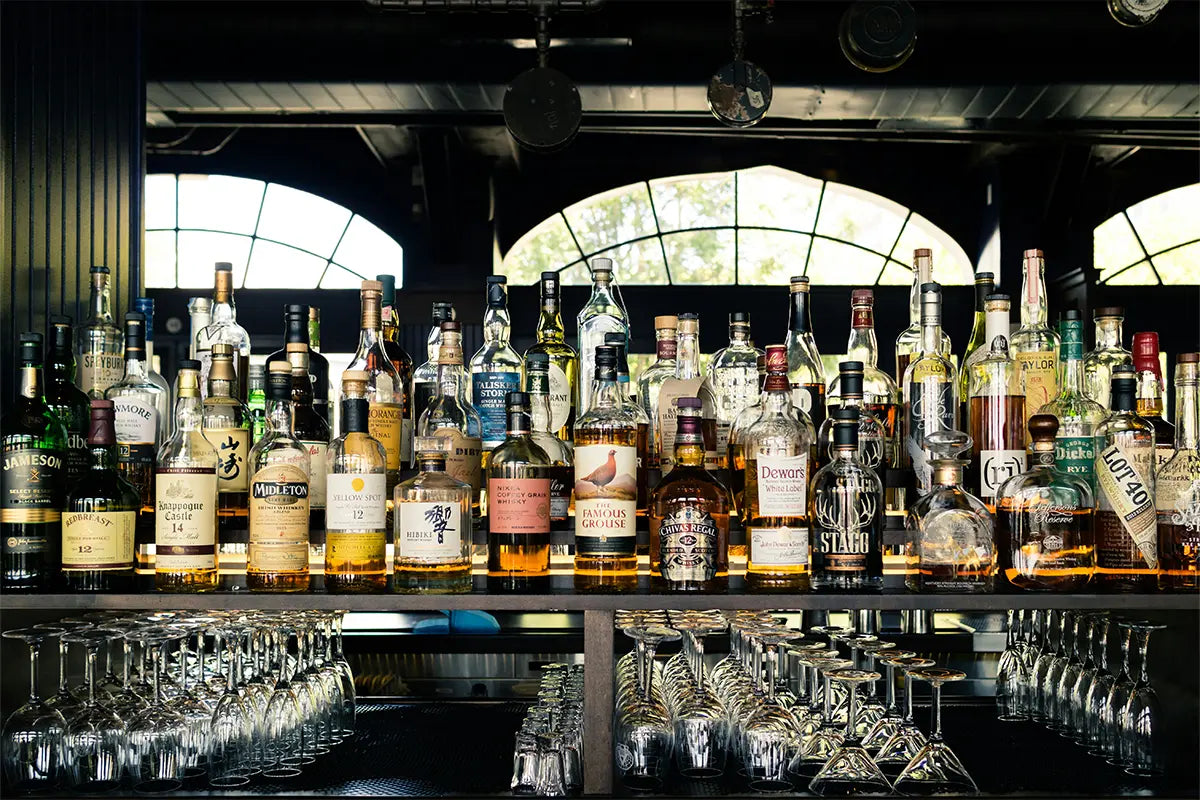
[
  {"x": 1145, "y": 352},
  {"x": 777, "y": 358}
]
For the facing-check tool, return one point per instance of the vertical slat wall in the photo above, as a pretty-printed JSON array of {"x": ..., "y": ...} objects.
[{"x": 72, "y": 112}]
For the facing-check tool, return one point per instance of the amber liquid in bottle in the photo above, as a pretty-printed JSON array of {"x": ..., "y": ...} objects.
[
  {"x": 599, "y": 570},
  {"x": 993, "y": 423}
]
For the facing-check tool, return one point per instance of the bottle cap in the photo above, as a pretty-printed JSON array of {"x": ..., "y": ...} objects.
[
  {"x": 603, "y": 265},
  {"x": 739, "y": 318},
  {"x": 845, "y": 367},
  {"x": 689, "y": 402},
  {"x": 431, "y": 447},
  {"x": 776, "y": 358},
  {"x": 1187, "y": 358},
  {"x": 31, "y": 348},
  {"x": 862, "y": 297},
  {"x": 996, "y": 297},
  {"x": 223, "y": 266},
  {"x": 354, "y": 381},
  {"x": 100, "y": 427},
  {"x": 926, "y": 288},
  {"x": 845, "y": 427},
  {"x": 537, "y": 362},
  {"x": 60, "y": 332},
  {"x": 187, "y": 381},
  {"x": 452, "y": 325},
  {"x": 985, "y": 277},
  {"x": 614, "y": 338},
  {"x": 517, "y": 401},
  {"x": 922, "y": 252},
  {"x": 135, "y": 330},
  {"x": 99, "y": 270},
  {"x": 497, "y": 292},
  {"x": 550, "y": 276},
  {"x": 1070, "y": 314},
  {"x": 222, "y": 349},
  {"x": 689, "y": 323},
  {"x": 222, "y": 363},
  {"x": 1108, "y": 311},
  {"x": 1145, "y": 351},
  {"x": 1035, "y": 253},
  {"x": 666, "y": 322},
  {"x": 442, "y": 312},
  {"x": 1124, "y": 388},
  {"x": 798, "y": 283},
  {"x": 1125, "y": 371},
  {"x": 296, "y": 347},
  {"x": 295, "y": 312},
  {"x": 1042, "y": 430},
  {"x": 606, "y": 356},
  {"x": 314, "y": 314},
  {"x": 372, "y": 286},
  {"x": 388, "y": 282}
]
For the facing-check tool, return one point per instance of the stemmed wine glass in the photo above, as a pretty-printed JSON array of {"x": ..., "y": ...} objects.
[
  {"x": 936, "y": 769},
  {"x": 33, "y": 734},
  {"x": 64, "y": 700},
  {"x": 1010, "y": 674},
  {"x": 349, "y": 695},
  {"x": 156, "y": 735},
  {"x": 94, "y": 739},
  {"x": 197, "y": 715},
  {"x": 1068, "y": 625},
  {"x": 907, "y": 741},
  {"x": 1077, "y": 693},
  {"x": 1140, "y": 720},
  {"x": 1096, "y": 699},
  {"x": 850, "y": 769},
  {"x": 284, "y": 721},
  {"x": 767, "y": 736},
  {"x": 816, "y": 749},
  {"x": 644, "y": 738},
  {"x": 230, "y": 734},
  {"x": 1040, "y": 709},
  {"x": 892, "y": 718},
  {"x": 701, "y": 728},
  {"x": 1080, "y": 636}
]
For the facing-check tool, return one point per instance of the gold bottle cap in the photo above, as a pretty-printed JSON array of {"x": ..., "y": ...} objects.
[
  {"x": 222, "y": 349},
  {"x": 354, "y": 382},
  {"x": 666, "y": 322},
  {"x": 222, "y": 364},
  {"x": 372, "y": 286},
  {"x": 188, "y": 380},
  {"x": 279, "y": 367},
  {"x": 689, "y": 323}
]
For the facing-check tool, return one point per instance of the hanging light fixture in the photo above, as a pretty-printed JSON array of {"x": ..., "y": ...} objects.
[
  {"x": 878, "y": 35},
  {"x": 739, "y": 93},
  {"x": 542, "y": 107}
]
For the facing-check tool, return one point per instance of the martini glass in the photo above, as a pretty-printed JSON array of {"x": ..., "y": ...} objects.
[
  {"x": 936, "y": 769},
  {"x": 870, "y": 708},
  {"x": 908, "y": 740},
  {"x": 850, "y": 769},
  {"x": 94, "y": 739},
  {"x": 644, "y": 737},
  {"x": 817, "y": 748},
  {"x": 33, "y": 734},
  {"x": 890, "y": 722}
]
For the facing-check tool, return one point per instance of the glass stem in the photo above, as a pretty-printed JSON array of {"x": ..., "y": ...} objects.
[
  {"x": 772, "y": 664},
  {"x": 1125, "y": 641},
  {"x": 698, "y": 656},
  {"x": 34, "y": 651},
  {"x": 229, "y": 669},
  {"x": 1143, "y": 647},
  {"x": 183, "y": 664},
  {"x": 648, "y": 672},
  {"x": 852, "y": 711},
  {"x": 93, "y": 657},
  {"x": 936, "y": 693},
  {"x": 155, "y": 654},
  {"x": 200, "y": 653},
  {"x": 126, "y": 662},
  {"x": 908, "y": 698},
  {"x": 62, "y": 666},
  {"x": 828, "y": 698},
  {"x": 891, "y": 690}
]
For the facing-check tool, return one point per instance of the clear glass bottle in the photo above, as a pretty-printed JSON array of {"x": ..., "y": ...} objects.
[
  {"x": 735, "y": 455},
  {"x": 1078, "y": 415},
  {"x": 1098, "y": 363},
  {"x": 908, "y": 343},
  {"x": 996, "y": 323},
  {"x": 451, "y": 417},
  {"x": 778, "y": 449},
  {"x": 995, "y": 414},
  {"x": 733, "y": 376},
  {"x": 224, "y": 328},
  {"x": 256, "y": 400},
  {"x": 1126, "y": 523},
  {"x": 617, "y": 341},
  {"x": 356, "y": 498},
  {"x": 1151, "y": 394},
  {"x": 930, "y": 389},
  {"x": 199, "y": 318},
  {"x": 185, "y": 495},
  {"x": 538, "y": 385},
  {"x": 296, "y": 330},
  {"x": 950, "y": 543},
  {"x": 401, "y": 360},
  {"x": 979, "y": 341},
  {"x": 98, "y": 347},
  {"x": 652, "y": 378},
  {"x": 310, "y": 427},
  {"x": 603, "y": 313},
  {"x": 688, "y": 382},
  {"x": 881, "y": 396},
  {"x": 1177, "y": 487},
  {"x": 385, "y": 397},
  {"x": 1035, "y": 344},
  {"x": 227, "y": 426},
  {"x": 872, "y": 436},
  {"x": 424, "y": 381},
  {"x": 495, "y": 368},
  {"x": 564, "y": 361},
  {"x": 277, "y": 558},
  {"x": 846, "y": 508},
  {"x": 145, "y": 305},
  {"x": 1045, "y": 520},
  {"x": 433, "y": 526},
  {"x": 805, "y": 371},
  {"x": 519, "y": 509},
  {"x": 66, "y": 400}
]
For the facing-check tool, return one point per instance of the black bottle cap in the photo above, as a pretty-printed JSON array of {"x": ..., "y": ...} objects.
[
  {"x": 135, "y": 331},
  {"x": 851, "y": 373},
  {"x": 497, "y": 293},
  {"x": 388, "y": 295},
  {"x": 931, "y": 287},
  {"x": 279, "y": 381},
  {"x": 60, "y": 332},
  {"x": 606, "y": 355},
  {"x": 99, "y": 270},
  {"x": 1108, "y": 311},
  {"x": 845, "y": 428},
  {"x": 517, "y": 401},
  {"x": 998, "y": 296},
  {"x": 442, "y": 312},
  {"x": 1124, "y": 388},
  {"x": 31, "y": 348},
  {"x": 615, "y": 339},
  {"x": 739, "y": 317},
  {"x": 537, "y": 361},
  {"x": 1124, "y": 369},
  {"x": 295, "y": 312},
  {"x": 354, "y": 415},
  {"x": 1071, "y": 314},
  {"x": 984, "y": 277}
]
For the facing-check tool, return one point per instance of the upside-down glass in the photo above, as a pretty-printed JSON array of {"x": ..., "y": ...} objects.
[
  {"x": 908, "y": 740},
  {"x": 156, "y": 734},
  {"x": 232, "y": 726},
  {"x": 33, "y": 734},
  {"x": 816, "y": 749},
  {"x": 1142, "y": 739},
  {"x": 644, "y": 738},
  {"x": 1077, "y": 693},
  {"x": 94, "y": 738},
  {"x": 1096, "y": 699},
  {"x": 936, "y": 769},
  {"x": 892, "y": 718},
  {"x": 850, "y": 769},
  {"x": 1010, "y": 674},
  {"x": 701, "y": 727},
  {"x": 768, "y": 734}
]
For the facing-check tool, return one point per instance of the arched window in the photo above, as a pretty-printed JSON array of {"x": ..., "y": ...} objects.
[
  {"x": 1156, "y": 241},
  {"x": 276, "y": 236},
  {"x": 753, "y": 227}
]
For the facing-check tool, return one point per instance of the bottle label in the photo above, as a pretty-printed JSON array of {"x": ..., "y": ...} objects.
[
  {"x": 99, "y": 371},
  {"x": 431, "y": 531},
  {"x": 1163, "y": 451},
  {"x": 406, "y": 441},
  {"x": 232, "y": 446},
  {"x": 673, "y": 389},
  {"x": 1076, "y": 455},
  {"x": 997, "y": 466},
  {"x": 488, "y": 393},
  {"x": 560, "y": 397},
  {"x": 666, "y": 349},
  {"x": 355, "y": 502},
  {"x": 560, "y": 493},
  {"x": 781, "y": 485},
  {"x": 462, "y": 456},
  {"x": 1038, "y": 373},
  {"x": 316, "y": 473},
  {"x": 723, "y": 427},
  {"x": 185, "y": 524},
  {"x": 33, "y": 492},
  {"x": 1125, "y": 492},
  {"x": 518, "y": 505},
  {"x": 78, "y": 458},
  {"x": 931, "y": 408},
  {"x": 279, "y": 519},
  {"x": 605, "y": 499},
  {"x": 135, "y": 421},
  {"x": 1177, "y": 496},
  {"x": 778, "y": 547},
  {"x": 688, "y": 545},
  {"x": 842, "y": 533},
  {"x": 360, "y": 546},
  {"x": 385, "y": 424},
  {"x": 809, "y": 398},
  {"x": 98, "y": 540}
]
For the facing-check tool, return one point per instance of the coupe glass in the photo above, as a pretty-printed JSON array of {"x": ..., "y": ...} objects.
[
  {"x": 156, "y": 735},
  {"x": 33, "y": 734},
  {"x": 644, "y": 737},
  {"x": 908, "y": 740},
  {"x": 94, "y": 738},
  {"x": 1142, "y": 739},
  {"x": 892, "y": 718},
  {"x": 936, "y": 769},
  {"x": 850, "y": 769}
]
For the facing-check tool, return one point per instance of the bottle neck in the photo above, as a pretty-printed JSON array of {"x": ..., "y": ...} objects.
[
  {"x": 496, "y": 326},
  {"x": 931, "y": 334},
  {"x": 432, "y": 463},
  {"x": 370, "y": 335},
  {"x": 776, "y": 400},
  {"x": 1149, "y": 394},
  {"x": 550, "y": 324},
  {"x": 995, "y": 323},
  {"x": 539, "y": 402},
  {"x": 296, "y": 331},
  {"x": 433, "y": 342},
  {"x": 279, "y": 415},
  {"x": 135, "y": 363},
  {"x": 922, "y": 273},
  {"x": 188, "y": 414},
  {"x": 687, "y": 356},
  {"x": 314, "y": 334},
  {"x": 1109, "y": 334},
  {"x": 689, "y": 452},
  {"x": 103, "y": 456},
  {"x": 863, "y": 346},
  {"x": 31, "y": 382},
  {"x": 519, "y": 425},
  {"x": 449, "y": 373},
  {"x": 1033, "y": 294},
  {"x": 354, "y": 415},
  {"x": 947, "y": 474},
  {"x": 845, "y": 452},
  {"x": 61, "y": 368},
  {"x": 666, "y": 345},
  {"x": 798, "y": 313},
  {"x": 606, "y": 392},
  {"x": 390, "y": 321},
  {"x": 101, "y": 301},
  {"x": 739, "y": 336},
  {"x": 1072, "y": 376},
  {"x": 220, "y": 388},
  {"x": 1186, "y": 414}
]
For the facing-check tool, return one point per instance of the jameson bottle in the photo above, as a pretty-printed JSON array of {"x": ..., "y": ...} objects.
[
  {"x": 1177, "y": 487},
  {"x": 66, "y": 400},
  {"x": 310, "y": 427},
  {"x": 519, "y": 504},
  {"x": 495, "y": 367},
  {"x": 224, "y": 328},
  {"x": 564, "y": 362},
  {"x": 603, "y": 313},
  {"x": 400, "y": 359},
  {"x": 805, "y": 372},
  {"x": 385, "y": 395},
  {"x": 1035, "y": 345},
  {"x": 1150, "y": 395},
  {"x": 652, "y": 378},
  {"x": 424, "y": 380},
  {"x": 297, "y": 330},
  {"x": 34, "y": 486},
  {"x": 537, "y": 385},
  {"x": 930, "y": 389},
  {"x": 98, "y": 347},
  {"x": 450, "y": 416},
  {"x": 1078, "y": 415},
  {"x": 227, "y": 426}
]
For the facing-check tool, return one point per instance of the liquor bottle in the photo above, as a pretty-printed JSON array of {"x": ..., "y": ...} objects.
[
  {"x": 227, "y": 426},
  {"x": 256, "y": 400},
  {"x": 605, "y": 480},
  {"x": 1098, "y": 363},
  {"x": 518, "y": 489},
  {"x": 433, "y": 526},
  {"x": 995, "y": 415},
  {"x": 224, "y": 328},
  {"x": 881, "y": 397},
  {"x": 100, "y": 516},
  {"x": 424, "y": 381},
  {"x": 688, "y": 382},
  {"x": 538, "y": 386},
  {"x": 908, "y": 343},
  {"x": 564, "y": 361},
  {"x": 1078, "y": 415},
  {"x": 1177, "y": 487},
  {"x": 778, "y": 451},
  {"x": 689, "y": 513},
  {"x": 1045, "y": 520},
  {"x": 451, "y": 417},
  {"x": 950, "y": 543},
  {"x": 1150, "y": 394},
  {"x": 603, "y": 313},
  {"x": 1035, "y": 344},
  {"x": 385, "y": 397},
  {"x": 735, "y": 456},
  {"x": 98, "y": 346},
  {"x": 314, "y": 328},
  {"x": 277, "y": 558},
  {"x": 1126, "y": 536},
  {"x": 652, "y": 378},
  {"x": 846, "y": 508},
  {"x": 67, "y": 400},
  {"x": 805, "y": 372},
  {"x": 34, "y": 491},
  {"x": 979, "y": 341},
  {"x": 186, "y": 495},
  {"x": 733, "y": 376},
  {"x": 296, "y": 331},
  {"x": 199, "y": 318},
  {"x": 495, "y": 368},
  {"x": 930, "y": 389},
  {"x": 617, "y": 342},
  {"x": 996, "y": 316},
  {"x": 872, "y": 437},
  {"x": 145, "y": 305},
  {"x": 310, "y": 427},
  {"x": 400, "y": 359},
  {"x": 355, "y": 498}
]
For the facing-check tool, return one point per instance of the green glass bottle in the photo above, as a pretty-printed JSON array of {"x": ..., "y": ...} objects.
[
  {"x": 257, "y": 400},
  {"x": 1079, "y": 416},
  {"x": 66, "y": 399}
]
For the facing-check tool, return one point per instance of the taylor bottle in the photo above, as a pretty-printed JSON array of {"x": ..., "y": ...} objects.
[
  {"x": 227, "y": 426},
  {"x": 1177, "y": 487},
  {"x": 1035, "y": 344},
  {"x": 564, "y": 361},
  {"x": 518, "y": 486},
  {"x": 98, "y": 347}
]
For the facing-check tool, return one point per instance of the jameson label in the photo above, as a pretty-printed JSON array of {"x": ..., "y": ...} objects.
[
  {"x": 560, "y": 493},
  {"x": 997, "y": 466},
  {"x": 931, "y": 408},
  {"x": 385, "y": 423},
  {"x": 560, "y": 397},
  {"x": 99, "y": 371},
  {"x": 1126, "y": 493},
  {"x": 1039, "y": 376},
  {"x": 232, "y": 446},
  {"x": 431, "y": 531},
  {"x": 810, "y": 397},
  {"x": 778, "y": 547},
  {"x": 666, "y": 424},
  {"x": 688, "y": 545},
  {"x": 33, "y": 492},
  {"x": 1076, "y": 455},
  {"x": 519, "y": 505},
  {"x": 780, "y": 485},
  {"x": 605, "y": 499},
  {"x": 185, "y": 519},
  {"x": 279, "y": 519},
  {"x": 488, "y": 393},
  {"x": 316, "y": 472},
  {"x": 462, "y": 457},
  {"x": 98, "y": 540},
  {"x": 842, "y": 531},
  {"x": 355, "y": 502}
]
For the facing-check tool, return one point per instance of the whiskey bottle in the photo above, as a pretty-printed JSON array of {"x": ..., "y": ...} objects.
[
  {"x": 603, "y": 313},
  {"x": 995, "y": 416},
  {"x": 355, "y": 498},
  {"x": 385, "y": 396},
  {"x": 997, "y": 309},
  {"x": 872, "y": 437},
  {"x": 34, "y": 488},
  {"x": 652, "y": 378},
  {"x": 224, "y": 328},
  {"x": 185, "y": 495},
  {"x": 689, "y": 513},
  {"x": 605, "y": 481},
  {"x": 227, "y": 426},
  {"x": 733, "y": 376},
  {"x": 100, "y": 516},
  {"x": 846, "y": 508},
  {"x": 805, "y": 372},
  {"x": 979, "y": 343},
  {"x": 424, "y": 381},
  {"x": 145, "y": 306},
  {"x": 68, "y": 402},
  {"x": 778, "y": 450},
  {"x": 1150, "y": 395},
  {"x": 538, "y": 385},
  {"x": 400, "y": 359},
  {"x": 313, "y": 432},
  {"x": 1078, "y": 415},
  {"x": 564, "y": 361},
  {"x": 278, "y": 554},
  {"x": 908, "y": 343},
  {"x": 1177, "y": 487},
  {"x": 688, "y": 382},
  {"x": 434, "y": 530},
  {"x": 297, "y": 330},
  {"x": 518, "y": 487},
  {"x": 1098, "y": 363},
  {"x": 1126, "y": 536},
  {"x": 98, "y": 346},
  {"x": 930, "y": 389},
  {"x": 256, "y": 401},
  {"x": 618, "y": 343},
  {"x": 1035, "y": 344},
  {"x": 495, "y": 368},
  {"x": 1045, "y": 520},
  {"x": 199, "y": 318},
  {"x": 451, "y": 417}
]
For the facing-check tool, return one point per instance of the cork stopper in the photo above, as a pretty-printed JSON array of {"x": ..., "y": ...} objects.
[
  {"x": 354, "y": 383},
  {"x": 1042, "y": 430},
  {"x": 1108, "y": 312},
  {"x": 1032, "y": 254},
  {"x": 667, "y": 322}
]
